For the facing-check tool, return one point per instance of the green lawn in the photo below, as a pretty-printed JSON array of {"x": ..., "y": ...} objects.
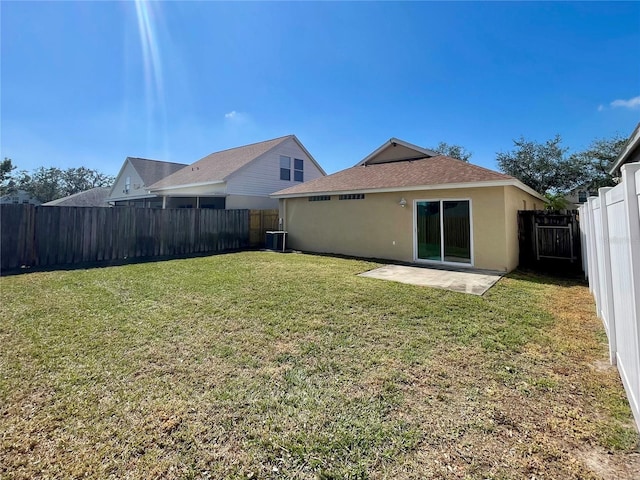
[{"x": 263, "y": 365}]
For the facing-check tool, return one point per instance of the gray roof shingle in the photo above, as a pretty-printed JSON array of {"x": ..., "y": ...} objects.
[
  {"x": 219, "y": 165},
  {"x": 438, "y": 170},
  {"x": 95, "y": 197},
  {"x": 152, "y": 171}
]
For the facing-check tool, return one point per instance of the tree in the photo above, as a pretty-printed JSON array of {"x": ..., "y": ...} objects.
[
  {"x": 50, "y": 183},
  {"x": 45, "y": 184},
  {"x": 454, "y": 151},
  {"x": 6, "y": 181},
  {"x": 556, "y": 201},
  {"x": 598, "y": 159},
  {"x": 545, "y": 167},
  {"x": 80, "y": 179}
]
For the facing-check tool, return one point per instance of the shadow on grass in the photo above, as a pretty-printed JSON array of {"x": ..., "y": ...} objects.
[
  {"x": 558, "y": 278},
  {"x": 117, "y": 262}
]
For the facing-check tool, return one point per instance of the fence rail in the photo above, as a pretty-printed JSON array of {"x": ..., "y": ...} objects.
[
  {"x": 46, "y": 236},
  {"x": 610, "y": 234}
]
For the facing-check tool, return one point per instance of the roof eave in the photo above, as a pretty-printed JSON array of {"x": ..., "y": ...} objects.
[
  {"x": 185, "y": 185},
  {"x": 630, "y": 146},
  {"x": 439, "y": 186}
]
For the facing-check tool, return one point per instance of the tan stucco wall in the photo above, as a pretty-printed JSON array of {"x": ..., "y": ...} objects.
[
  {"x": 514, "y": 200},
  {"x": 378, "y": 227}
]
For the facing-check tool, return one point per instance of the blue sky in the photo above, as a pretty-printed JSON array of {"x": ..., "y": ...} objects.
[{"x": 90, "y": 83}]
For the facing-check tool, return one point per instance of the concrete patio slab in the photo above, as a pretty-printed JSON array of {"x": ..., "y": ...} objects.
[{"x": 474, "y": 282}]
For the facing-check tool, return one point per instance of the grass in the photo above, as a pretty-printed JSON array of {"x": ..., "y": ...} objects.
[{"x": 260, "y": 365}]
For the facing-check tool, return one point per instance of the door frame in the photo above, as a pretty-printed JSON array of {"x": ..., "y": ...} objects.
[{"x": 415, "y": 232}]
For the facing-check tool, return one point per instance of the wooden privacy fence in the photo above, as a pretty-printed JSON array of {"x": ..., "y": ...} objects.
[
  {"x": 260, "y": 222},
  {"x": 610, "y": 234},
  {"x": 549, "y": 240},
  {"x": 44, "y": 236}
]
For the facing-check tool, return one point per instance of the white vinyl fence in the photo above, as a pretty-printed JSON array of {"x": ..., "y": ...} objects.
[{"x": 610, "y": 233}]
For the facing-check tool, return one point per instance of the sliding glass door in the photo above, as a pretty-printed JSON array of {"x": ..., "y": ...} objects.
[{"x": 443, "y": 231}]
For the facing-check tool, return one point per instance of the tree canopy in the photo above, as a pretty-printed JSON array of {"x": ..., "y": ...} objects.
[
  {"x": 6, "y": 167},
  {"x": 598, "y": 159},
  {"x": 452, "y": 150},
  {"x": 548, "y": 168},
  {"x": 50, "y": 183}
]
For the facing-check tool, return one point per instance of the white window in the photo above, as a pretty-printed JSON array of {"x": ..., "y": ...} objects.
[
  {"x": 127, "y": 185},
  {"x": 285, "y": 168},
  {"x": 298, "y": 170}
]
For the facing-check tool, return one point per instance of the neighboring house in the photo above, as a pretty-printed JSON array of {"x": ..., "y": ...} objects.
[
  {"x": 20, "y": 197},
  {"x": 131, "y": 186},
  {"x": 579, "y": 195},
  {"x": 409, "y": 204},
  {"x": 94, "y": 197},
  {"x": 242, "y": 177},
  {"x": 630, "y": 152}
]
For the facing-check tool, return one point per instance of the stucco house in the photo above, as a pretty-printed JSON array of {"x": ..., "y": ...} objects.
[
  {"x": 130, "y": 188},
  {"x": 242, "y": 177},
  {"x": 410, "y": 204}
]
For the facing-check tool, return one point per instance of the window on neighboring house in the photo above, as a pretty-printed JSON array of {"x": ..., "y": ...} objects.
[
  {"x": 285, "y": 168},
  {"x": 319, "y": 198},
  {"x": 582, "y": 197},
  {"x": 352, "y": 196},
  {"x": 298, "y": 170},
  {"x": 127, "y": 185}
]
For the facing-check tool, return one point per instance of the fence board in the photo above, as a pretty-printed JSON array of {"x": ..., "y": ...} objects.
[
  {"x": 47, "y": 236},
  {"x": 16, "y": 235},
  {"x": 260, "y": 222}
]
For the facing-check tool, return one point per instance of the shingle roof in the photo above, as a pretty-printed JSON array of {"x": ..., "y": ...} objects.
[
  {"x": 219, "y": 165},
  {"x": 95, "y": 197},
  {"x": 151, "y": 171},
  {"x": 438, "y": 170}
]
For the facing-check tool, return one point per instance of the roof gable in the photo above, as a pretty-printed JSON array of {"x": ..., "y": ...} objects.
[
  {"x": 218, "y": 166},
  {"x": 396, "y": 150},
  {"x": 149, "y": 171},
  {"x": 386, "y": 170},
  {"x": 152, "y": 171},
  {"x": 430, "y": 171}
]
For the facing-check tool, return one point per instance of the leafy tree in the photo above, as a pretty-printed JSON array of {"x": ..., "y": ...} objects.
[
  {"x": 545, "y": 167},
  {"x": 43, "y": 183},
  {"x": 556, "y": 201},
  {"x": 6, "y": 181},
  {"x": 598, "y": 159},
  {"x": 454, "y": 151},
  {"x": 80, "y": 179},
  {"x": 50, "y": 183}
]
